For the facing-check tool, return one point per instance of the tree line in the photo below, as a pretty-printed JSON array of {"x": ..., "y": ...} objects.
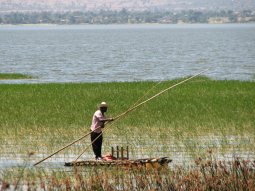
[{"x": 123, "y": 17}]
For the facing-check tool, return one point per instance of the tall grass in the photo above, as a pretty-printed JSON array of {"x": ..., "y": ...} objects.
[
  {"x": 201, "y": 102},
  {"x": 184, "y": 122},
  {"x": 208, "y": 174},
  {"x": 44, "y": 117}
]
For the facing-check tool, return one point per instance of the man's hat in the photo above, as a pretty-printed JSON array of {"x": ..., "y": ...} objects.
[{"x": 103, "y": 104}]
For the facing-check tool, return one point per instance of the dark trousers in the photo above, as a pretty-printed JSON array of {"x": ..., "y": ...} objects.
[{"x": 97, "y": 145}]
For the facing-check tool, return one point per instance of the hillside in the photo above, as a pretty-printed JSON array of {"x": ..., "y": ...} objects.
[{"x": 131, "y": 5}]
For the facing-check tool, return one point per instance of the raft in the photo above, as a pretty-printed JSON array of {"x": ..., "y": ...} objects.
[{"x": 148, "y": 163}]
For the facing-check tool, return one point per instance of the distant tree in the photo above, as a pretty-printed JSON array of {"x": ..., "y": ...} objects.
[{"x": 247, "y": 13}]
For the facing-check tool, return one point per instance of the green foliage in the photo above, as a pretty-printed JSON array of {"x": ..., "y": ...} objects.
[{"x": 200, "y": 102}]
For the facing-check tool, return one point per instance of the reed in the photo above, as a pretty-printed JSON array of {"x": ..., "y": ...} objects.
[
  {"x": 189, "y": 119},
  {"x": 207, "y": 174},
  {"x": 14, "y": 76},
  {"x": 201, "y": 102}
]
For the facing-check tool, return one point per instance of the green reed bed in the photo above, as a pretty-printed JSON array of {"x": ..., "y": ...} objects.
[
  {"x": 38, "y": 116},
  {"x": 199, "y": 103},
  {"x": 14, "y": 76},
  {"x": 193, "y": 119}
]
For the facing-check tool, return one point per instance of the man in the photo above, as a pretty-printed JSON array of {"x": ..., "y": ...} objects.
[{"x": 96, "y": 135}]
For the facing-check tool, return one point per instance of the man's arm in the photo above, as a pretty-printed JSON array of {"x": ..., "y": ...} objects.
[
  {"x": 106, "y": 119},
  {"x": 102, "y": 118}
]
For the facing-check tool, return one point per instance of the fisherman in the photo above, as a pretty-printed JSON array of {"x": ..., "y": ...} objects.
[{"x": 98, "y": 122}]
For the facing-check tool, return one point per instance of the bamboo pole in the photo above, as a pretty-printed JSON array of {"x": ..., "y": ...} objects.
[
  {"x": 62, "y": 149},
  {"x": 145, "y": 94},
  {"x": 88, "y": 146},
  {"x": 140, "y": 104},
  {"x": 66, "y": 147},
  {"x": 156, "y": 95}
]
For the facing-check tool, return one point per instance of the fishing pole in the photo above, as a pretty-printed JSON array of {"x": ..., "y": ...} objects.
[{"x": 140, "y": 104}]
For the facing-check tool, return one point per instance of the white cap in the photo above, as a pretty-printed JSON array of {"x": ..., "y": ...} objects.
[{"x": 103, "y": 104}]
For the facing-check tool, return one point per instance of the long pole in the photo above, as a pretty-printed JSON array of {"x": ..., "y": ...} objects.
[
  {"x": 161, "y": 92},
  {"x": 140, "y": 104},
  {"x": 145, "y": 95},
  {"x": 62, "y": 149},
  {"x": 89, "y": 146}
]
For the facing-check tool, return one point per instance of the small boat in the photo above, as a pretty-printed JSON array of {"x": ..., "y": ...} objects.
[{"x": 148, "y": 163}]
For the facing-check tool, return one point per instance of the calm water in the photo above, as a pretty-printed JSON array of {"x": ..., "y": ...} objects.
[
  {"x": 224, "y": 148},
  {"x": 103, "y": 53}
]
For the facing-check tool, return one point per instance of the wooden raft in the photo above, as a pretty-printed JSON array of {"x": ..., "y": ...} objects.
[
  {"x": 148, "y": 163},
  {"x": 121, "y": 160}
]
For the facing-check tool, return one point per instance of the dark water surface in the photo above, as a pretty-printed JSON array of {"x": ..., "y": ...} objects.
[{"x": 102, "y": 53}]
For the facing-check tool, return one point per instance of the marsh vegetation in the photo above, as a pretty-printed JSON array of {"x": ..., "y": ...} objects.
[
  {"x": 184, "y": 124},
  {"x": 14, "y": 76}
]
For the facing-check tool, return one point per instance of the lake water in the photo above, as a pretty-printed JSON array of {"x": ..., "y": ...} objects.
[
  {"x": 103, "y": 53},
  {"x": 182, "y": 152}
]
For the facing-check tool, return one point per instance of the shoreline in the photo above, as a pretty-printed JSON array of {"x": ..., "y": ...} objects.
[
  {"x": 126, "y": 24},
  {"x": 25, "y": 78},
  {"x": 33, "y": 81}
]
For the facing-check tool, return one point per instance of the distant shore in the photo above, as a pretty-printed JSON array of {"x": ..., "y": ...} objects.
[
  {"x": 129, "y": 17},
  {"x": 119, "y": 24}
]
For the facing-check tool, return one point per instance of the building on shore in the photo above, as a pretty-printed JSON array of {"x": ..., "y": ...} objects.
[{"x": 218, "y": 20}]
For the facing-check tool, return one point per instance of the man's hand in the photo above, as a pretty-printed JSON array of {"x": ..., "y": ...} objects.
[{"x": 111, "y": 119}]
